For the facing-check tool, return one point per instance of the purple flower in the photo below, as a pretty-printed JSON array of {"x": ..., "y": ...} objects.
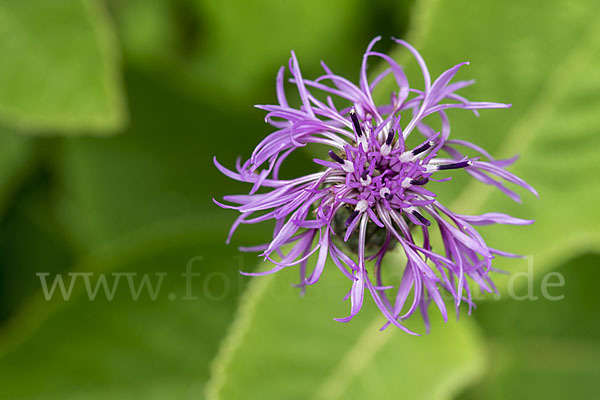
[{"x": 371, "y": 195}]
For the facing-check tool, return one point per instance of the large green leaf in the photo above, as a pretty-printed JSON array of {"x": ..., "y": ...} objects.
[
  {"x": 60, "y": 67},
  {"x": 126, "y": 348},
  {"x": 283, "y": 346},
  {"x": 545, "y": 349}
]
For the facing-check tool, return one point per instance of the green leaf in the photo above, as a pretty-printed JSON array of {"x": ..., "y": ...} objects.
[
  {"x": 284, "y": 346},
  {"x": 545, "y": 349},
  {"x": 60, "y": 67},
  {"x": 125, "y": 348}
]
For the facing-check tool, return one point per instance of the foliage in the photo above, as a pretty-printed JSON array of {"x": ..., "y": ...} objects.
[{"x": 109, "y": 117}]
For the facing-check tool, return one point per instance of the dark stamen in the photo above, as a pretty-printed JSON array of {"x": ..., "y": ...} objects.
[
  {"x": 351, "y": 218},
  {"x": 421, "y": 218},
  {"x": 390, "y": 137},
  {"x": 335, "y": 157},
  {"x": 389, "y": 196},
  {"x": 422, "y": 148},
  {"x": 419, "y": 182},
  {"x": 364, "y": 175},
  {"x": 354, "y": 118},
  {"x": 457, "y": 165}
]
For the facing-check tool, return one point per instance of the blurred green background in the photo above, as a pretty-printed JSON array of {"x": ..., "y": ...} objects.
[{"x": 110, "y": 114}]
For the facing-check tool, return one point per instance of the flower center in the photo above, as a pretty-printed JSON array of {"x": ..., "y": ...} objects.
[{"x": 378, "y": 171}]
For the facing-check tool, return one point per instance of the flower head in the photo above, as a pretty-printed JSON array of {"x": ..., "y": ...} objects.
[{"x": 371, "y": 195}]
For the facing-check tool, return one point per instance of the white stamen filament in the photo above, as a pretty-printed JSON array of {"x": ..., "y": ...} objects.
[
  {"x": 348, "y": 166},
  {"x": 430, "y": 168},
  {"x": 410, "y": 209},
  {"x": 361, "y": 206},
  {"x": 385, "y": 149},
  {"x": 406, "y": 182},
  {"x": 382, "y": 135},
  {"x": 363, "y": 139},
  {"x": 407, "y": 156}
]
